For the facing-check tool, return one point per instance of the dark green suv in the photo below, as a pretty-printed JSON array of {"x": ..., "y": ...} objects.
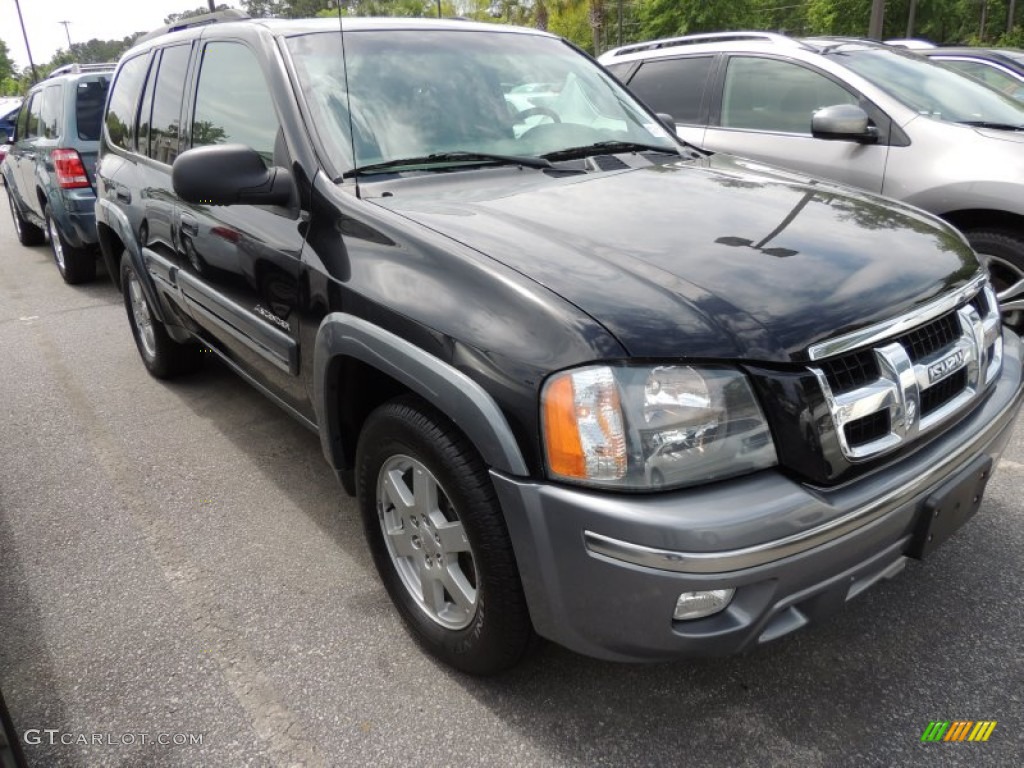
[{"x": 49, "y": 169}]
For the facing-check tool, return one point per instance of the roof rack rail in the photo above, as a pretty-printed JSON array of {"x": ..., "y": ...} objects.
[
  {"x": 231, "y": 14},
  {"x": 75, "y": 69},
  {"x": 709, "y": 37}
]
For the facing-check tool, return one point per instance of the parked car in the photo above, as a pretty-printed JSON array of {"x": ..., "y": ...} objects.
[
  {"x": 1002, "y": 69},
  {"x": 501, "y": 321},
  {"x": 857, "y": 112},
  {"x": 49, "y": 168},
  {"x": 8, "y": 114}
]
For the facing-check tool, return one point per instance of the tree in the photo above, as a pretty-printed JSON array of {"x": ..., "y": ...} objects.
[
  {"x": 173, "y": 18},
  {"x": 93, "y": 52},
  {"x": 10, "y": 84}
]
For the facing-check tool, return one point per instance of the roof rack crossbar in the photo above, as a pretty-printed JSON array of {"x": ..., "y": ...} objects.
[{"x": 231, "y": 14}]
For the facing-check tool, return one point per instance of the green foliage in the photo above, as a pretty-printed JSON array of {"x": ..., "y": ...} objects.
[
  {"x": 93, "y": 52},
  {"x": 571, "y": 21},
  {"x": 174, "y": 17}
]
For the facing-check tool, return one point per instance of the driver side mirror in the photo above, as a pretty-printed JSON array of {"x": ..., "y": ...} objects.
[
  {"x": 230, "y": 174},
  {"x": 843, "y": 122}
]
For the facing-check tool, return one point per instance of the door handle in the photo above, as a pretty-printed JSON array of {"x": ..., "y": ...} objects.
[{"x": 189, "y": 225}]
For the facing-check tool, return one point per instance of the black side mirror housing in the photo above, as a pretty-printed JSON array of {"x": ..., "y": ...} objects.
[
  {"x": 230, "y": 174},
  {"x": 843, "y": 122}
]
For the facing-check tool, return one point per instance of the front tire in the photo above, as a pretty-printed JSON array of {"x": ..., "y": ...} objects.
[
  {"x": 1002, "y": 252},
  {"x": 163, "y": 357},
  {"x": 438, "y": 538},
  {"x": 28, "y": 234},
  {"x": 76, "y": 265}
]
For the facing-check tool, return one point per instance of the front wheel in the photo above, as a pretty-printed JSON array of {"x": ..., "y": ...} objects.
[
  {"x": 163, "y": 356},
  {"x": 76, "y": 265},
  {"x": 1002, "y": 253},
  {"x": 438, "y": 538}
]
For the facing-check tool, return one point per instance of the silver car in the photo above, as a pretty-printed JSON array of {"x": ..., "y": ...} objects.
[{"x": 856, "y": 112}]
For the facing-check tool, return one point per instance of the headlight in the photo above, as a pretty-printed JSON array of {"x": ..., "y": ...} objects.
[{"x": 648, "y": 427}]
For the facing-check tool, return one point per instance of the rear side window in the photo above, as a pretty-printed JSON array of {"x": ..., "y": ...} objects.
[
  {"x": 124, "y": 102},
  {"x": 233, "y": 102},
  {"x": 620, "y": 70},
  {"x": 675, "y": 86},
  {"x": 35, "y": 108},
  {"x": 23, "y": 118},
  {"x": 90, "y": 96},
  {"x": 165, "y": 126},
  {"x": 770, "y": 95},
  {"x": 52, "y": 112}
]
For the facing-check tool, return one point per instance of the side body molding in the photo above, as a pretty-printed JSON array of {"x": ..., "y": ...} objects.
[{"x": 460, "y": 398}]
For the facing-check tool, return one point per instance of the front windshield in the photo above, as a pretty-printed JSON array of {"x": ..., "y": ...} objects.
[
  {"x": 932, "y": 90},
  {"x": 418, "y": 93}
]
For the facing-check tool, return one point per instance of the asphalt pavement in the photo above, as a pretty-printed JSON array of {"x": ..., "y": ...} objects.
[{"x": 183, "y": 583}]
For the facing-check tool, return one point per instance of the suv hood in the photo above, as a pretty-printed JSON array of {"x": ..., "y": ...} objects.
[{"x": 712, "y": 258}]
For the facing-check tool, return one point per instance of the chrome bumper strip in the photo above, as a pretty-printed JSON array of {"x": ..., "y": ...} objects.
[{"x": 760, "y": 554}]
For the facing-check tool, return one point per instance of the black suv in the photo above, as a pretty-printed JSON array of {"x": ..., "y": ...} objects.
[
  {"x": 585, "y": 381},
  {"x": 49, "y": 168}
]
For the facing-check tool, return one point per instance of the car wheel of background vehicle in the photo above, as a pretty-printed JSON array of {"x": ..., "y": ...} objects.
[
  {"x": 162, "y": 356},
  {"x": 1002, "y": 252},
  {"x": 28, "y": 234},
  {"x": 439, "y": 540},
  {"x": 76, "y": 265}
]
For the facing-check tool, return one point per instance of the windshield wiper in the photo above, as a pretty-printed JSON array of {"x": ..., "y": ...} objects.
[
  {"x": 607, "y": 147},
  {"x": 993, "y": 126},
  {"x": 443, "y": 160}
]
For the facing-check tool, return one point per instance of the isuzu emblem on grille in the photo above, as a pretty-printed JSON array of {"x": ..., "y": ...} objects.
[
  {"x": 900, "y": 404},
  {"x": 951, "y": 364}
]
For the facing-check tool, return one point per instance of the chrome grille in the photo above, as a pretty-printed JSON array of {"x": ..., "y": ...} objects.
[{"x": 912, "y": 379}]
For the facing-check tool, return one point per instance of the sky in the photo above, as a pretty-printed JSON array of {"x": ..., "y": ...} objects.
[{"x": 101, "y": 19}]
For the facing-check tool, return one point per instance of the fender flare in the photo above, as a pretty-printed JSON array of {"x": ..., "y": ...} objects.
[
  {"x": 452, "y": 392},
  {"x": 109, "y": 214}
]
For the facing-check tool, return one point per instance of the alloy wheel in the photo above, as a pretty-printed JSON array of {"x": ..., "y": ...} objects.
[
  {"x": 142, "y": 315},
  {"x": 427, "y": 542}
]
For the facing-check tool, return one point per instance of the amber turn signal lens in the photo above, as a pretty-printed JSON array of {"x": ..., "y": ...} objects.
[{"x": 561, "y": 435}]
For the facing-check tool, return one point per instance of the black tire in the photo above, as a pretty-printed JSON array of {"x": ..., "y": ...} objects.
[
  {"x": 499, "y": 632},
  {"x": 76, "y": 265},
  {"x": 1002, "y": 251},
  {"x": 28, "y": 234},
  {"x": 163, "y": 357}
]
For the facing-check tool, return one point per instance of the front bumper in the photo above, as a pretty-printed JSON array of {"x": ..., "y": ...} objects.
[{"x": 602, "y": 571}]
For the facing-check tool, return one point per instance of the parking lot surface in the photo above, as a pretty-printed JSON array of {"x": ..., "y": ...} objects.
[{"x": 183, "y": 583}]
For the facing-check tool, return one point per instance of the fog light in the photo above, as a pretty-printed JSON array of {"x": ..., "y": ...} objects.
[{"x": 697, "y": 605}]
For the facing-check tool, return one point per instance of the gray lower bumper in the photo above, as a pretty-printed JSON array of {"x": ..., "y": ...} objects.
[{"x": 602, "y": 571}]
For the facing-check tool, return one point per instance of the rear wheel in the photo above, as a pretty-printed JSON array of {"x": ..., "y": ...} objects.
[
  {"x": 28, "y": 234},
  {"x": 163, "y": 356},
  {"x": 1002, "y": 252},
  {"x": 439, "y": 540},
  {"x": 76, "y": 265}
]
